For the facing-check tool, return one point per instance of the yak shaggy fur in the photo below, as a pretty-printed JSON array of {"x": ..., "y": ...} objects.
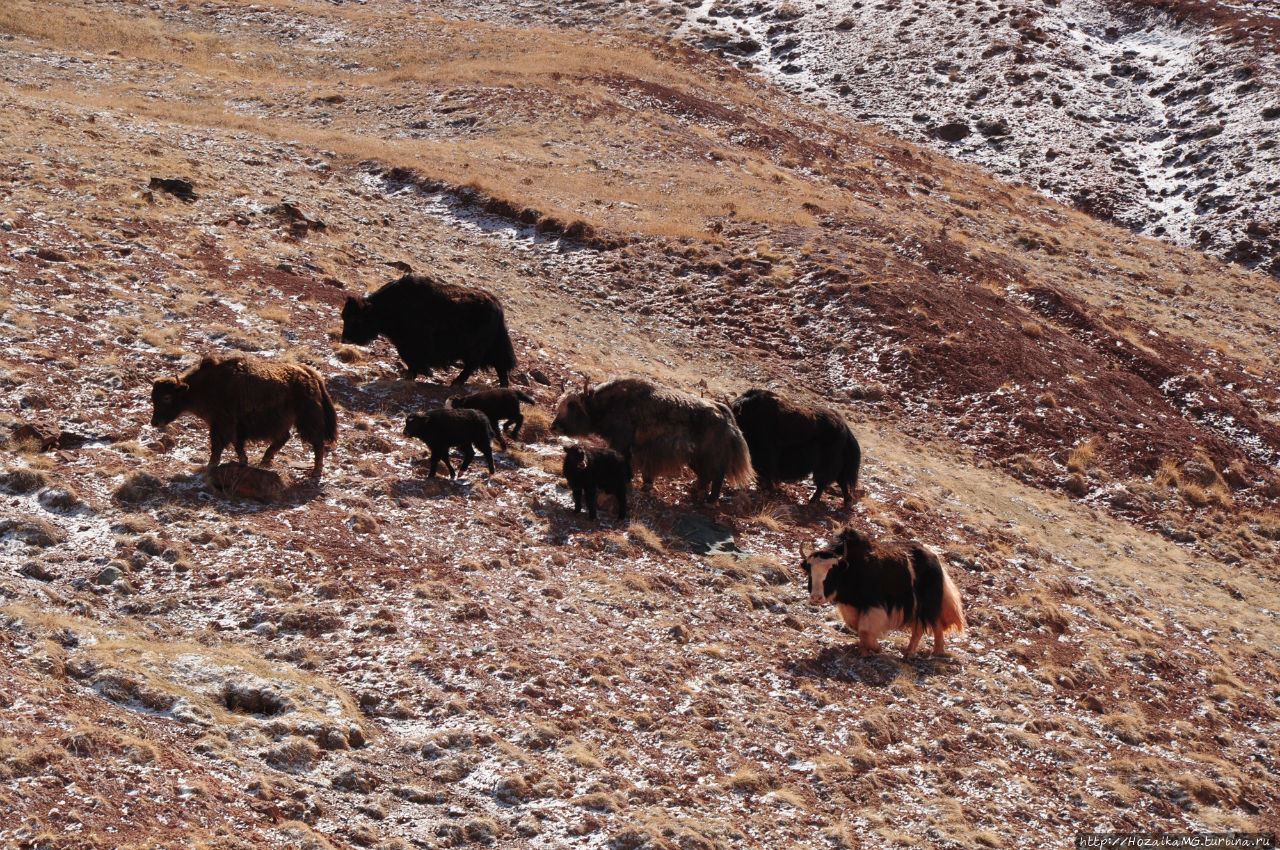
[
  {"x": 247, "y": 398},
  {"x": 433, "y": 325},
  {"x": 661, "y": 430},
  {"x": 790, "y": 441},
  {"x": 879, "y": 586},
  {"x": 444, "y": 428}
]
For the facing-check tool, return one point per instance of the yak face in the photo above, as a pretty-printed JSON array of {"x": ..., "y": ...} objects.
[
  {"x": 572, "y": 418},
  {"x": 169, "y": 399},
  {"x": 359, "y": 326},
  {"x": 414, "y": 424},
  {"x": 820, "y": 567},
  {"x": 575, "y": 459}
]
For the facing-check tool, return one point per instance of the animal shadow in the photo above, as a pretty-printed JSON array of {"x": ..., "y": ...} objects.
[{"x": 846, "y": 664}]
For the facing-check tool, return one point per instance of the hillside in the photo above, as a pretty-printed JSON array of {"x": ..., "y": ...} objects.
[{"x": 1083, "y": 421}]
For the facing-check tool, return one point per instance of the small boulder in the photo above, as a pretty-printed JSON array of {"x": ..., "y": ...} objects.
[
  {"x": 247, "y": 482},
  {"x": 953, "y": 131}
]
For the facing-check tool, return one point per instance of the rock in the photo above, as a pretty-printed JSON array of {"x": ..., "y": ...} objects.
[
  {"x": 247, "y": 482},
  {"x": 845, "y": 24},
  {"x": 176, "y": 186},
  {"x": 704, "y": 536},
  {"x": 952, "y": 132},
  {"x": 540, "y": 376},
  {"x": 109, "y": 575},
  {"x": 37, "y": 571}
]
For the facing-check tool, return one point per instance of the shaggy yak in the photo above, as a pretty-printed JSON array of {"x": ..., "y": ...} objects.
[
  {"x": 661, "y": 430},
  {"x": 443, "y": 429},
  {"x": 590, "y": 469},
  {"x": 433, "y": 324},
  {"x": 790, "y": 441},
  {"x": 497, "y": 405},
  {"x": 881, "y": 586},
  {"x": 247, "y": 398}
]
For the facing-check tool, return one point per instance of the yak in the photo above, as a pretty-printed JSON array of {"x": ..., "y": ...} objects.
[
  {"x": 790, "y": 441},
  {"x": 589, "y": 469},
  {"x": 443, "y": 429},
  {"x": 248, "y": 398},
  {"x": 433, "y": 325},
  {"x": 497, "y": 405},
  {"x": 879, "y": 586},
  {"x": 661, "y": 430}
]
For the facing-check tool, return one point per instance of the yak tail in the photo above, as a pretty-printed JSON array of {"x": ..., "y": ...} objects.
[
  {"x": 502, "y": 354},
  {"x": 739, "y": 472},
  {"x": 951, "y": 617},
  {"x": 330, "y": 417},
  {"x": 525, "y": 397},
  {"x": 852, "y": 463}
]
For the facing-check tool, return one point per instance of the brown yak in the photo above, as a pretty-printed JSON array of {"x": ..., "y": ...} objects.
[{"x": 247, "y": 398}]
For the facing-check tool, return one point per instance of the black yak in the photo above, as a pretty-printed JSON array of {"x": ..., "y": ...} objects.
[
  {"x": 497, "y": 405},
  {"x": 443, "y": 429},
  {"x": 877, "y": 587},
  {"x": 433, "y": 325},
  {"x": 247, "y": 398},
  {"x": 661, "y": 430},
  {"x": 790, "y": 441},
  {"x": 590, "y": 469}
]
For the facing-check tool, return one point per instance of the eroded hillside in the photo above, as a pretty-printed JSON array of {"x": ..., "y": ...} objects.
[{"x": 1082, "y": 421}]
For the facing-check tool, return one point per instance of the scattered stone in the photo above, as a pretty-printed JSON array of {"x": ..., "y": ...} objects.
[
  {"x": 109, "y": 575},
  {"x": 176, "y": 186},
  {"x": 247, "y": 482},
  {"x": 704, "y": 536},
  {"x": 954, "y": 131}
]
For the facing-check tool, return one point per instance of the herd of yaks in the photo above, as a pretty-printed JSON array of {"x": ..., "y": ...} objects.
[{"x": 653, "y": 430}]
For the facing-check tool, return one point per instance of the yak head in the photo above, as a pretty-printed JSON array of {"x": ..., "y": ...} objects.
[
  {"x": 359, "y": 325},
  {"x": 852, "y": 544},
  {"x": 169, "y": 400},
  {"x": 572, "y": 416},
  {"x": 575, "y": 459},
  {"x": 415, "y": 425},
  {"x": 822, "y": 568}
]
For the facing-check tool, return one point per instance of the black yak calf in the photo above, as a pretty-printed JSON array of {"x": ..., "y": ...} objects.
[
  {"x": 247, "y": 398},
  {"x": 444, "y": 429},
  {"x": 433, "y": 325},
  {"x": 589, "y": 470},
  {"x": 877, "y": 587},
  {"x": 497, "y": 405},
  {"x": 791, "y": 441},
  {"x": 661, "y": 430}
]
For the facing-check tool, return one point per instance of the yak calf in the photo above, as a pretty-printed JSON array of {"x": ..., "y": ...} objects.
[
  {"x": 444, "y": 429},
  {"x": 247, "y": 398},
  {"x": 497, "y": 405},
  {"x": 589, "y": 470}
]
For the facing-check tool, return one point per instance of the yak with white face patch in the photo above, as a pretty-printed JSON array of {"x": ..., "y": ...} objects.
[{"x": 878, "y": 587}]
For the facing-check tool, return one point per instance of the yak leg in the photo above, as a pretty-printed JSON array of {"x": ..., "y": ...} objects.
[
  {"x": 867, "y": 643},
  {"x": 514, "y": 425},
  {"x": 467, "y": 454},
  {"x": 318, "y": 469},
  {"x": 820, "y": 483},
  {"x": 844, "y": 491},
  {"x": 218, "y": 444},
  {"x": 646, "y": 481},
  {"x": 276, "y": 445},
  {"x": 503, "y": 381},
  {"x": 917, "y": 632},
  {"x": 487, "y": 450},
  {"x": 577, "y": 500},
  {"x": 590, "y": 495},
  {"x": 467, "y": 370},
  {"x": 939, "y": 647},
  {"x": 621, "y": 496},
  {"x": 716, "y": 484},
  {"x": 497, "y": 430}
]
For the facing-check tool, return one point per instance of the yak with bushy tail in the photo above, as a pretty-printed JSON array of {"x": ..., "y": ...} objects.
[
  {"x": 662, "y": 430},
  {"x": 880, "y": 586}
]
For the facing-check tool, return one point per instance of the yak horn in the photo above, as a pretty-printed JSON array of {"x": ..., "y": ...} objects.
[{"x": 803, "y": 555}]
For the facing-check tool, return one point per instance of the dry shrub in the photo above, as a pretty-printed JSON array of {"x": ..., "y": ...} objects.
[
  {"x": 32, "y": 530},
  {"x": 645, "y": 537},
  {"x": 23, "y": 480},
  {"x": 748, "y": 780},
  {"x": 1081, "y": 458},
  {"x": 294, "y": 754},
  {"x": 138, "y": 487}
]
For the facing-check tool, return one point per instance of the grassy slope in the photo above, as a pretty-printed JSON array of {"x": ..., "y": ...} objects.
[{"x": 611, "y": 685}]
